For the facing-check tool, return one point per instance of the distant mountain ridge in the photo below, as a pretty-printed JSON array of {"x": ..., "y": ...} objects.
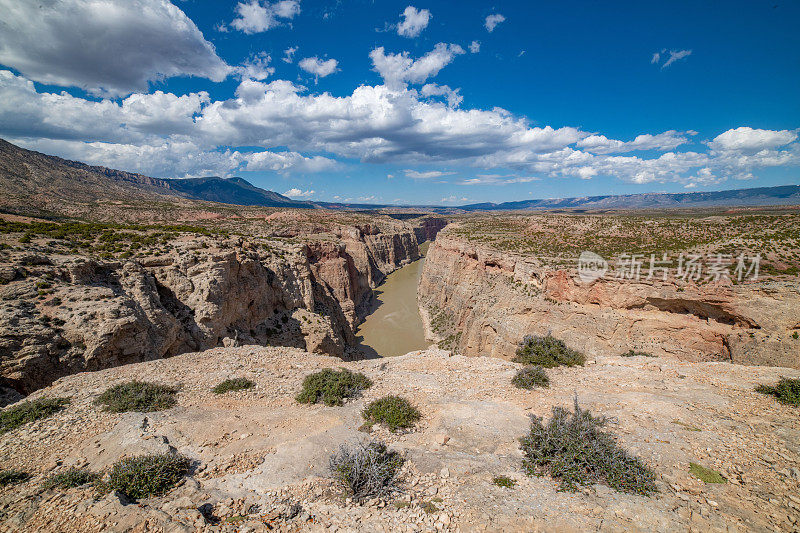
[
  {"x": 759, "y": 196},
  {"x": 26, "y": 174},
  {"x": 235, "y": 190},
  {"x": 32, "y": 178}
]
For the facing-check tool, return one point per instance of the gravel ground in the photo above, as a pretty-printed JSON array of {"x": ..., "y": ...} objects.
[{"x": 262, "y": 457}]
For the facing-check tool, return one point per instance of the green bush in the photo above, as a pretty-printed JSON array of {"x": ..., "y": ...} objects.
[
  {"x": 74, "y": 477},
  {"x": 12, "y": 477},
  {"x": 148, "y": 475},
  {"x": 632, "y": 353},
  {"x": 573, "y": 449},
  {"x": 21, "y": 414},
  {"x": 365, "y": 470},
  {"x": 137, "y": 396},
  {"x": 706, "y": 475},
  {"x": 531, "y": 377},
  {"x": 504, "y": 481},
  {"x": 394, "y": 411},
  {"x": 547, "y": 352},
  {"x": 786, "y": 391},
  {"x": 332, "y": 386},
  {"x": 233, "y": 384}
]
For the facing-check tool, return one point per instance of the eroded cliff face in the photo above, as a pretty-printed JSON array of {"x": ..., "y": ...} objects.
[
  {"x": 206, "y": 292},
  {"x": 480, "y": 301},
  {"x": 429, "y": 227}
]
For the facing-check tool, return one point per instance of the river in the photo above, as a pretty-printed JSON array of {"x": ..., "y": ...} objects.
[{"x": 394, "y": 326}]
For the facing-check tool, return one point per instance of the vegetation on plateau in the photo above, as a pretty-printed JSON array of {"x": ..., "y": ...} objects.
[
  {"x": 332, "y": 386},
  {"x": 574, "y": 449},
  {"x": 705, "y": 475},
  {"x": 393, "y": 411},
  {"x": 787, "y": 391},
  {"x": 547, "y": 352},
  {"x": 70, "y": 478},
  {"x": 233, "y": 384},
  {"x": 148, "y": 475},
  {"x": 531, "y": 377},
  {"x": 19, "y": 415},
  {"x": 138, "y": 396},
  {"x": 365, "y": 470}
]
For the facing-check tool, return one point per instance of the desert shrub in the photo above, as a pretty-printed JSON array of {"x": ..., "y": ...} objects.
[
  {"x": 633, "y": 353},
  {"x": 137, "y": 396},
  {"x": 332, "y": 386},
  {"x": 573, "y": 449},
  {"x": 429, "y": 507},
  {"x": 504, "y": 481},
  {"x": 74, "y": 477},
  {"x": 12, "y": 477},
  {"x": 365, "y": 470},
  {"x": 547, "y": 352},
  {"x": 531, "y": 377},
  {"x": 148, "y": 475},
  {"x": 786, "y": 391},
  {"x": 233, "y": 384},
  {"x": 704, "y": 474},
  {"x": 21, "y": 414},
  {"x": 394, "y": 411}
]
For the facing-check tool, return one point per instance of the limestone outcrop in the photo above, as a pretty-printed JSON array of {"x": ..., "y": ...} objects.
[
  {"x": 481, "y": 301},
  {"x": 204, "y": 293}
]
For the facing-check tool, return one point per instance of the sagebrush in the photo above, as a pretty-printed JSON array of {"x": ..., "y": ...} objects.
[
  {"x": 21, "y": 414},
  {"x": 233, "y": 384},
  {"x": 332, "y": 386},
  {"x": 70, "y": 478},
  {"x": 365, "y": 470},
  {"x": 148, "y": 475},
  {"x": 393, "y": 411},
  {"x": 573, "y": 449},
  {"x": 547, "y": 352},
  {"x": 11, "y": 477},
  {"x": 531, "y": 377},
  {"x": 138, "y": 396},
  {"x": 787, "y": 391}
]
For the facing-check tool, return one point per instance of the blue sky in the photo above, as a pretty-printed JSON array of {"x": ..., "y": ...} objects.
[{"x": 398, "y": 102}]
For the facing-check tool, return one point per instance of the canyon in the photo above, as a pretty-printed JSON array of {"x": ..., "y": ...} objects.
[
  {"x": 478, "y": 300},
  {"x": 206, "y": 291}
]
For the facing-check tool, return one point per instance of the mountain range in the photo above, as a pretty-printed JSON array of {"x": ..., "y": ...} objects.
[{"x": 34, "y": 179}]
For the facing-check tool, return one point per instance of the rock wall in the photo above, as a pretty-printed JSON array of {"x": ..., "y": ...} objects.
[
  {"x": 429, "y": 227},
  {"x": 479, "y": 301},
  {"x": 202, "y": 294}
]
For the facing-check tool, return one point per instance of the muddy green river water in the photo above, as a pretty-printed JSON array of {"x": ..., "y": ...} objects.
[{"x": 394, "y": 326}]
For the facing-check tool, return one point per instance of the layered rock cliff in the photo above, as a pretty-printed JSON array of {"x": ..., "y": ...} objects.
[
  {"x": 205, "y": 292},
  {"x": 481, "y": 301}
]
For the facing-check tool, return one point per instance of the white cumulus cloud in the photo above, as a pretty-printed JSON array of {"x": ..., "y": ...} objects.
[
  {"x": 107, "y": 47},
  {"x": 288, "y": 54},
  {"x": 453, "y": 96},
  {"x": 475, "y": 47},
  {"x": 319, "y": 67},
  {"x": 600, "y": 144},
  {"x": 414, "y": 21},
  {"x": 287, "y": 161},
  {"x": 298, "y": 193},
  {"x": 259, "y": 16},
  {"x": 746, "y": 138},
  {"x": 256, "y": 67},
  {"x": 400, "y": 69},
  {"x": 492, "y": 21},
  {"x": 414, "y": 174}
]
